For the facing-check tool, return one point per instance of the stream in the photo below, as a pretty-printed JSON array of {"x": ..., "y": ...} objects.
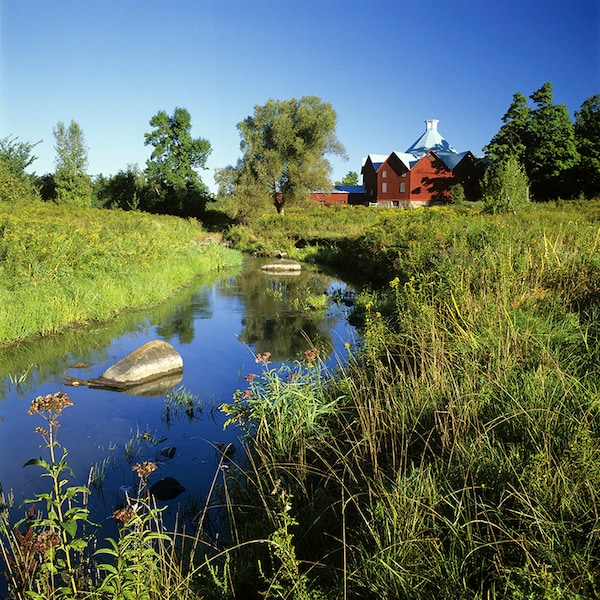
[{"x": 217, "y": 326}]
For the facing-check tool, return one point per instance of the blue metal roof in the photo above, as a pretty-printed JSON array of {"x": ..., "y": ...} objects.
[
  {"x": 451, "y": 159},
  {"x": 350, "y": 189}
]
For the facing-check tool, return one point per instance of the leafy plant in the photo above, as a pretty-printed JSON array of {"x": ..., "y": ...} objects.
[
  {"x": 46, "y": 559},
  {"x": 505, "y": 187}
]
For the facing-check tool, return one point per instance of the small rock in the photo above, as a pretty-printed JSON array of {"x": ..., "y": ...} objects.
[{"x": 166, "y": 489}]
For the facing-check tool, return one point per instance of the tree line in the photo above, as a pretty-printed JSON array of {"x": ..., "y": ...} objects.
[{"x": 538, "y": 153}]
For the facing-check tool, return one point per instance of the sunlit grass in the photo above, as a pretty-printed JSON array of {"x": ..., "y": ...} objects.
[
  {"x": 61, "y": 267},
  {"x": 454, "y": 455}
]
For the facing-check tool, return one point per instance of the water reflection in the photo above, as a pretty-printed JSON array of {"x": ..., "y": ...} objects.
[{"x": 216, "y": 327}]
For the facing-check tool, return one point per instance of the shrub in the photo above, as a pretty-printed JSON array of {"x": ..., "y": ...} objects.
[{"x": 505, "y": 187}]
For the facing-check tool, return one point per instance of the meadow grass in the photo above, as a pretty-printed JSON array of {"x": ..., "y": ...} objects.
[
  {"x": 62, "y": 266},
  {"x": 453, "y": 455},
  {"x": 460, "y": 458}
]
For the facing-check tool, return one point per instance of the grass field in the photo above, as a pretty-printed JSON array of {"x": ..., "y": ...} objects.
[
  {"x": 455, "y": 454},
  {"x": 61, "y": 266}
]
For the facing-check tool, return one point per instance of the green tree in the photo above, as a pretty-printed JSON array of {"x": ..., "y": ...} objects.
[
  {"x": 511, "y": 139},
  {"x": 72, "y": 183},
  {"x": 175, "y": 185},
  {"x": 15, "y": 184},
  {"x": 587, "y": 136},
  {"x": 350, "y": 178},
  {"x": 17, "y": 155},
  {"x": 284, "y": 144},
  {"x": 124, "y": 190},
  {"x": 551, "y": 148},
  {"x": 242, "y": 195},
  {"x": 505, "y": 186}
]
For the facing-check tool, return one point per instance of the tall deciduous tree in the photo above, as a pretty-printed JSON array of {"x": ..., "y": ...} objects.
[
  {"x": 511, "y": 139},
  {"x": 17, "y": 155},
  {"x": 587, "y": 136},
  {"x": 71, "y": 181},
  {"x": 15, "y": 184},
  {"x": 284, "y": 144},
  {"x": 172, "y": 168}
]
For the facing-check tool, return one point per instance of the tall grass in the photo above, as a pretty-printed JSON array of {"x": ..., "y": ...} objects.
[
  {"x": 61, "y": 266},
  {"x": 461, "y": 460},
  {"x": 455, "y": 455}
]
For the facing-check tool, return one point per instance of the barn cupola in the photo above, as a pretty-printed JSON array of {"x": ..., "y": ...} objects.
[{"x": 430, "y": 140}]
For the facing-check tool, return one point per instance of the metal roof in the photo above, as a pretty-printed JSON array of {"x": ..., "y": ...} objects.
[
  {"x": 451, "y": 159},
  {"x": 430, "y": 140},
  {"x": 350, "y": 189}
]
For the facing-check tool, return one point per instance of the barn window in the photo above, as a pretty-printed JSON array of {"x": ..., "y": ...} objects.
[
  {"x": 402, "y": 187},
  {"x": 384, "y": 174},
  {"x": 383, "y": 188}
]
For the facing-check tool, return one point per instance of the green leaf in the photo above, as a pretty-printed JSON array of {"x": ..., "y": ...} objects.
[{"x": 37, "y": 462}]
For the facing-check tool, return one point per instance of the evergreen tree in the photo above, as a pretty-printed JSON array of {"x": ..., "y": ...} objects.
[
  {"x": 587, "y": 136},
  {"x": 71, "y": 181},
  {"x": 551, "y": 149}
]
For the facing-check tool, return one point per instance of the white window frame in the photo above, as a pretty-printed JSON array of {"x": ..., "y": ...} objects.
[{"x": 384, "y": 188}]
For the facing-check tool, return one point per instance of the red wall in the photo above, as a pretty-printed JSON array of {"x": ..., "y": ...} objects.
[
  {"x": 431, "y": 179},
  {"x": 337, "y": 199},
  {"x": 393, "y": 169}
]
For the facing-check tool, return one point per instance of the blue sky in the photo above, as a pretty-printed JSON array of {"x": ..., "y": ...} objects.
[{"x": 385, "y": 67}]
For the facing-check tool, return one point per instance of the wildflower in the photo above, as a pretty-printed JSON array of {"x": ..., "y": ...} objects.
[
  {"x": 311, "y": 354},
  {"x": 246, "y": 394},
  {"x": 144, "y": 469},
  {"x": 250, "y": 377},
  {"x": 262, "y": 358},
  {"x": 394, "y": 282},
  {"x": 51, "y": 402},
  {"x": 46, "y": 540},
  {"x": 124, "y": 514}
]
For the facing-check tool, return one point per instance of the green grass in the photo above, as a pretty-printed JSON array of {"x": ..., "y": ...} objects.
[
  {"x": 462, "y": 458},
  {"x": 455, "y": 455},
  {"x": 63, "y": 266}
]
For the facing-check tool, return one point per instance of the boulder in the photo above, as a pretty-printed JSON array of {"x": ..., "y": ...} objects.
[
  {"x": 150, "y": 362},
  {"x": 166, "y": 489},
  {"x": 283, "y": 265}
]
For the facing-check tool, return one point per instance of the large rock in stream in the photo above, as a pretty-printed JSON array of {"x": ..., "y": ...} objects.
[
  {"x": 283, "y": 266},
  {"x": 153, "y": 361}
]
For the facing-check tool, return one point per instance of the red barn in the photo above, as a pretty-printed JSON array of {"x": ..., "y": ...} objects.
[
  {"x": 341, "y": 195},
  {"x": 420, "y": 176}
]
